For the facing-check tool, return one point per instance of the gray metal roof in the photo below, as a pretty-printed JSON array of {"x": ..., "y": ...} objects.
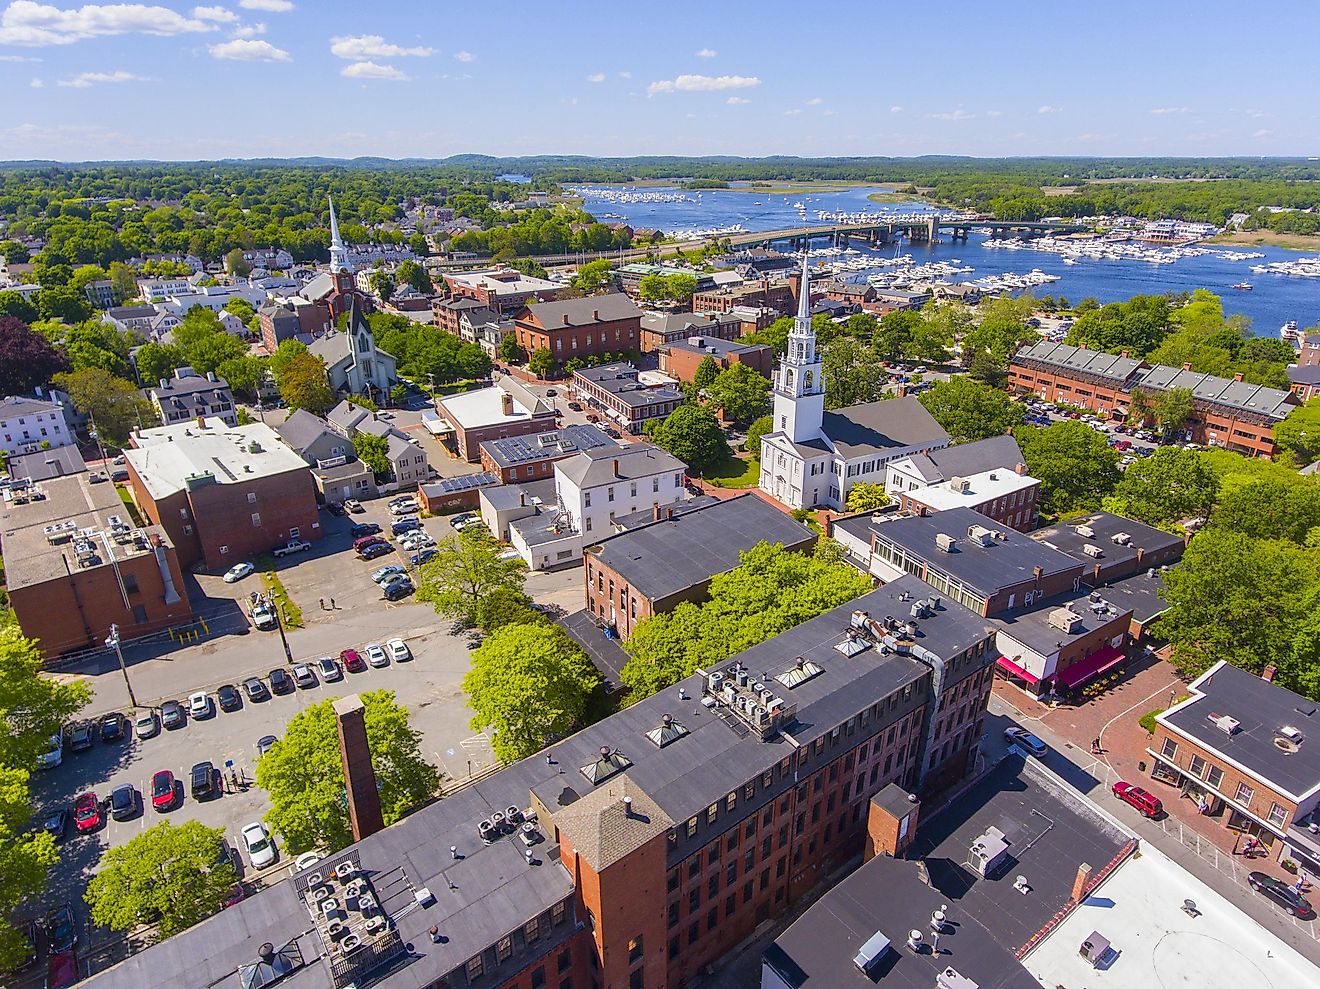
[
  {"x": 1308, "y": 374},
  {"x": 622, "y": 523},
  {"x": 302, "y": 429},
  {"x": 1050, "y": 833},
  {"x": 44, "y": 464},
  {"x": 515, "y": 450},
  {"x": 584, "y": 312},
  {"x": 1096, "y": 362},
  {"x": 968, "y": 458},
  {"x": 637, "y": 460},
  {"x": 676, "y": 554},
  {"x": 713, "y": 346},
  {"x": 1261, "y": 709},
  {"x": 876, "y": 427}
]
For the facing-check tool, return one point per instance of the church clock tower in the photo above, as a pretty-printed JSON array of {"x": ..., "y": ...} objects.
[
  {"x": 341, "y": 270},
  {"x": 799, "y": 388}
]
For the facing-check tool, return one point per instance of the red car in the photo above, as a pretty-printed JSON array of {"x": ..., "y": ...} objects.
[
  {"x": 87, "y": 812},
  {"x": 352, "y": 661},
  {"x": 1147, "y": 803},
  {"x": 162, "y": 790}
]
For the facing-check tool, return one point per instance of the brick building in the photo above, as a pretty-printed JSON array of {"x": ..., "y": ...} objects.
[
  {"x": 1304, "y": 380},
  {"x": 588, "y": 327},
  {"x": 778, "y": 295},
  {"x": 1244, "y": 746},
  {"x": 448, "y": 313},
  {"x": 659, "y": 329},
  {"x": 616, "y": 390},
  {"x": 1226, "y": 412},
  {"x": 655, "y": 567},
  {"x": 681, "y": 358},
  {"x": 1007, "y": 496},
  {"x": 222, "y": 493},
  {"x": 502, "y": 289},
  {"x": 532, "y": 457},
  {"x": 75, "y": 564},
  {"x": 507, "y": 408},
  {"x": 660, "y": 838}
]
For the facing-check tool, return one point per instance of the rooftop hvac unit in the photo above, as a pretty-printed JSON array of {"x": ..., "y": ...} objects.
[
  {"x": 951, "y": 978},
  {"x": 1086, "y": 532},
  {"x": 1093, "y": 551},
  {"x": 1065, "y": 620},
  {"x": 1122, "y": 538},
  {"x": 945, "y": 542},
  {"x": 1225, "y": 723},
  {"x": 875, "y": 948},
  {"x": 919, "y": 610},
  {"x": 980, "y": 535},
  {"x": 987, "y": 852},
  {"x": 959, "y": 485},
  {"x": 1291, "y": 734},
  {"x": 714, "y": 681}
]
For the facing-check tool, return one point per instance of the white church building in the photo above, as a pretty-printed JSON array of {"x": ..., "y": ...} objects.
[{"x": 814, "y": 457}]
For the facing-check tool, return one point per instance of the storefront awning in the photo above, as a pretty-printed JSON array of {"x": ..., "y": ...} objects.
[
  {"x": 1090, "y": 667},
  {"x": 1012, "y": 668}
]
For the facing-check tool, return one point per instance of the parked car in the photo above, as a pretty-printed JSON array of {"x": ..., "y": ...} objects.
[
  {"x": 424, "y": 555},
  {"x": 111, "y": 727},
  {"x": 119, "y": 474},
  {"x": 280, "y": 682},
  {"x": 354, "y": 506},
  {"x": 263, "y": 617},
  {"x": 306, "y": 860},
  {"x": 292, "y": 546},
  {"x": 353, "y": 662},
  {"x": 237, "y": 572},
  {"x": 56, "y": 823},
  {"x": 398, "y": 589},
  {"x": 260, "y": 849},
  {"x": 61, "y": 929},
  {"x": 359, "y": 529},
  {"x": 265, "y": 743},
  {"x": 329, "y": 669},
  {"x": 124, "y": 802},
  {"x": 255, "y": 689},
  {"x": 406, "y": 524},
  {"x": 29, "y": 946},
  {"x": 1282, "y": 894},
  {"x": 1025, "y": 740},
  {"x": 375, "y": 654},
  {"x": 82, "y": 736},
  {"x": 54, "y": 753},
  {"x": 202, "y": 781},
  {"x": 304, "y": 677},
  {"x": 335, "y": 509},
  {"x": 1147, "y": 803},
  {"x": 462, "y": 517},
  {"x": 163, "y": 790},
  {"x": 575, "y": 406},
  {"x": 146, "y": 724},
  {"x": 229, "y": 697},
  {"x": 398, "y": 650},
  {"x": 172, "y": 716},
  {"x": 87, "y": 812},
  {"x": 386, "y": 572},
  {"x": 403, "y": 506},
  {"x": 363, "y": 542},
  {"x": 375, "y": 550},
  {"x": 199, "y": 705}
]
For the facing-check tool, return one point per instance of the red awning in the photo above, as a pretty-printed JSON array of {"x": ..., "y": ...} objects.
[
  {"x": 1012, "y": 668},
  {"x": 1090, "y": 667}
]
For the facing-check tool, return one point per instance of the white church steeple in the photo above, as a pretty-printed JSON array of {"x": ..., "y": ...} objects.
[
  {"x": 799, "y": 388},
  {"x": 338, "y": 253}
]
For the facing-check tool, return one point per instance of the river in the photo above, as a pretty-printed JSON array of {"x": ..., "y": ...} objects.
[{"x": 1274, "y": 300}]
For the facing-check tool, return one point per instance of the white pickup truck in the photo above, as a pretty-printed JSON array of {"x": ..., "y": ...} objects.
[{"x": 292, "y": 546}]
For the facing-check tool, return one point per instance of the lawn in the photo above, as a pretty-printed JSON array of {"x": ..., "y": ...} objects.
[{"x": 735, "y": 473}]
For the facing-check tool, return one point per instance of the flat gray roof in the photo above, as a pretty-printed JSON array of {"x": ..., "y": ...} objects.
[
  {"x": 1033, "y": 629},
  {"x": 713, "y": 346},
  {"x": 620, "y": 380},
  {"x": 675, "y": 554},
  {"x": 58, "y": 461},
  {"x": 1105, "y": 526},
  {"x": 1142, "y": 593},
  {"x": 634, "y": 461},
  {"x": 169, "y": 456}
]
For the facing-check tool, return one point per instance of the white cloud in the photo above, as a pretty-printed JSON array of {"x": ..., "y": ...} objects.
[
  {"x": 249, "y": 30},
  {"x": 220, "y": 15},
  {"x": 737, "y": 101},
  {"x": 706, "y": 53},
  {"x": 994, "y": 113},
  {"x": 1161, "y": 110},
  {"x": 1263, "y": 133},
  {"x": 829, "y": 113},
  {"x": 18, "y": 58},
  {"x": 85, "y": 80},
  {"x": 372, "y": 70},
  {"x": 465, "y": 56},
  {"x": 244, "y": 50},
  {"x": 33, "y": 25},
  {"x": 625, "y": 75},
  {"x": 1048, "y": 109},
  {"x": 36, "y": 83},
  {"x": 702, "y": 84},
  {"x": 596, "y": 77},
  {"x": 792, "y": 113},
  {"x": 958, "y": 114},
  {"x": 366, "y": 46},
  {"x": 895, "y": 109},
  {"x": 271, "y": 6},
  {"x": 815, "y": 101}
]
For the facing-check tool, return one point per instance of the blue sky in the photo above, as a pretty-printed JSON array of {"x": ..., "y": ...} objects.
[{"x": 430, "y": 78}]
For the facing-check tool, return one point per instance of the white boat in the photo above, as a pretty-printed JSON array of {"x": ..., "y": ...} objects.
[{"x": 1289, "y": 332}]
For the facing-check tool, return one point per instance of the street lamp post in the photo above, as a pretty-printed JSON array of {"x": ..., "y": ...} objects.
[{"x": 112, "y": 640}]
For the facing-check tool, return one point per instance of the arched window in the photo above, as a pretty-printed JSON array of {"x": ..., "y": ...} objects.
[
  {"x": 788, "y": 379},
  {"x": 806, "y": 382}
]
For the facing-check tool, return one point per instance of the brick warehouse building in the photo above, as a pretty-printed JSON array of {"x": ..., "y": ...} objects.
[
  {"x": 681, "y": 358},
  {"x": 75, "y": 565},
  {"x": 223, "y": 493},
  {"x": 600, "y": 324},
  {"x": 1226, "y": 412},
  {"x": 657, "y": 840}
]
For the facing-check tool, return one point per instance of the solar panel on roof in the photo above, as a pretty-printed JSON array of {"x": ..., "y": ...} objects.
[{"x": 466, "y": 482}]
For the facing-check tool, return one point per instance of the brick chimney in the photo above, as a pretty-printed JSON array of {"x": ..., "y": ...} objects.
[
  {"x": 1237, "y": 376},
  {"x": 359, "y": 778},
  {"x": 1020, "y": 469},
  {"x": 1267, "y": 674},
  {"x": 506, "y": 404},
  {"x": 616, "y": 466},
  {"x": 1123, "y": 353},
  {"x": 655, "y": 511},
  {"x": 1080, "y": 882},
  {"x": 1037, "y": 571},
  {"x": 595, "y": 314},
  {"x": 566, "y": 322},
  {"x": 1187, "y": 367},
  {"x": 201, "y": 422}
]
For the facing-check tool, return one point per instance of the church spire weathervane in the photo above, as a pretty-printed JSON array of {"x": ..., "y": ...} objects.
[{"x": 338, "y": 253}]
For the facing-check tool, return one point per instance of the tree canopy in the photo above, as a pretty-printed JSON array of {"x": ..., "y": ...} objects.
[
  {"x": 693, "y": 435},
  {"x": 1074, "y": 463},
  {"x": 1299, "y": 433},
  {"x": 303, "y": 384},
  {"x": 740, "y": 392},
  {"x": 465, "y": 571},
  {"x": 853, "y": 374},
  {"x": 1164, "y": 489},
  {"x": 115, "y": 405},
  {"x": 863, "y": 497},
  {"x": 969, "y": 410},
  {"x": 27, "y": 359}
]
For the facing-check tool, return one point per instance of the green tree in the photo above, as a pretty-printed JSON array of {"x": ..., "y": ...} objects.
[
  {"x": 284, "y": 355},
  {"x": 594, "y": 276},
  {"x": 1074, "y": 463},
  {"x": 741, "y": 393},
  {"x": 706, "y": 372},
  {"x": 13, "y": 252},
  {"x": 236, "y": 264},
  {"x": 374, "y": 452},
  {"x": 168, "y": 876},
  {"x": 156, "y": 361},
  {"x": 412, "y": 273},
  {"x": 13, "y": 305},
  {"x": 63, "y": 302},
  {"x": 115, "y": 404},
  {"x": 243, "y": 374},
  {"x": 652, "y": 288},
  {"x": 998, "y": 334},
  {"x": 382, "y": 284},
  {"x": 511, "y": 351},
  {"x": 863, "y": 497},
  {"x": 304, "y": 384},
  {"x": 852, "y": 374},
  {"x": 85, "y": 274},
  {"x": 124, "y": 280},
  {"x": 969, "y": 410},
  {"x": 542, "y": 363},
  {"x": 1299, "y": 433},
  {"x": 529, "y": 686},
  {"x": 1171, "y": 409},
  {"x": 693, "y": 435},
  {"x": 1165, "y": 488},
  {"x": 242, "y": 309},
  {"x": 680, "y": 287},
  {"x": 756, "y": 432},
  {"x": 304, "y": 775},
  {"x": 466, "y": 570},
  {"x": 1138, "y": 326},
  {"x": 1271, "y": 508}
]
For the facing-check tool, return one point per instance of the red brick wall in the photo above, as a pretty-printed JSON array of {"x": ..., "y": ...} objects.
[
  {"x": 540, "y": 469},
  {"x": 682, "y": 364},
  {"x": 1014, "y": 513},
  {"x": 469, "y": 441},
  {"x": 567, "y": 342}
]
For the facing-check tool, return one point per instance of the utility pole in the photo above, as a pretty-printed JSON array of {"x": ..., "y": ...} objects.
[
  {"x": 112, "y": 640},
  {"x": 279, "y": 624}
]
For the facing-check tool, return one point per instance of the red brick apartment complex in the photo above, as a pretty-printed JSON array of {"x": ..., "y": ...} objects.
[
  {"x": 651, "y": 844},
  {"x": 75, "y": 565},
  {"x": 681, "y": 358},
  {"x": 1227, "y": 412},
  {"x": 223, "y": 493},
  {"x": 601, "y": 324}
]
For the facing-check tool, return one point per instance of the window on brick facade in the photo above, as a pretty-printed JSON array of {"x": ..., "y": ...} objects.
[
  {"x": 694, "y": 866},
  {"x": 1244, "y": 794},
  {"x": 1197, "y": 766},
  {"x": 1215, "y": 777},
  {"x": 503, "y": 948},
  {"x": 673, "y": 915},
  {"x": 256, "y": 520},
  {"x": 694, "y": 900},
  {"x": 565, "y": 961},
  {"x": 694, "y": 932},
  {"x": 475, "y": 968},
  {"x": 538, "y": 978},
  {"x": 713, "y": 887},
  {"x": 532, "y": 930},
  {"x": 634, "y": 948},
  {"x": 1168, "y": 748},
  {"x": 557, "y": 913},
  {"x": 1278, "y": 815}
]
